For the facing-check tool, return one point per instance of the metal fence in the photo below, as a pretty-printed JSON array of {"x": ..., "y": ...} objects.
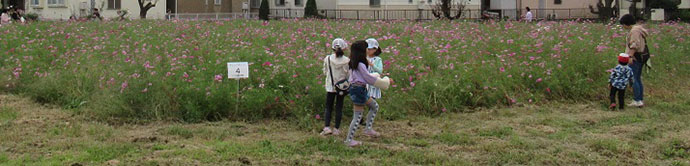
[
  {"x": 426, "y": 14},
  {"x": 410, "y": 14},
  {"x": 548, "y": 14},
  {"x": 211, "y": 16}
]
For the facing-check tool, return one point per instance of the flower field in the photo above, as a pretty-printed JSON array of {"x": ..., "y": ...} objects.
[{"x": 176, "y": 70}]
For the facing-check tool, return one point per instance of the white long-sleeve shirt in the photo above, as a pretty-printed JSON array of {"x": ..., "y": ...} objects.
[{"x": 528, "y": 16}]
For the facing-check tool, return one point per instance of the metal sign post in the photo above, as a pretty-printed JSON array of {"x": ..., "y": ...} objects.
[{"x": 238, "y": 70}]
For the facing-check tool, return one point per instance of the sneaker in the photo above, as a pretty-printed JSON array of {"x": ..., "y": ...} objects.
[
  {"x": 634, "y": 104},
  {"x": 353, "y": 143},
  {"x": 336, "y": 132},
  {"x": 640, "y": 104},
  {"x": 326, "y": 131},
  {"x": 371, "y": 133},
  {"x": 612, "y": 106}
]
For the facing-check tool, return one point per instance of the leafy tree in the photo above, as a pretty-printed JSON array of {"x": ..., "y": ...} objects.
[
  {"x": 443, "y": 8},
  {"x": 606, "y": 10},
  {"x": 310, "y": 10}
]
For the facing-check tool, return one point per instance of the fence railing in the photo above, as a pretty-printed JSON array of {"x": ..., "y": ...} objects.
[
  {"x": 427, "y": 14},
  {"x": 211, "y": 16},
  {"x": 408, "y": 14}
]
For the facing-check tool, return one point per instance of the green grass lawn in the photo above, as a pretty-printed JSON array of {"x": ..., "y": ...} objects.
[{"x": 555, "y": 134}]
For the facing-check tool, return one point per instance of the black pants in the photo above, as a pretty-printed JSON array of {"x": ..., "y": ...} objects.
[
  {"x": 330, "y": 97},
  {"x": 621, "y": 96}
]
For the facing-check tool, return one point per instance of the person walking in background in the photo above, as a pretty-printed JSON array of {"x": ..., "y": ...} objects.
[
  {"x": 335, "y": 67},
  {"x": 528, "y": 15},
  {"x": 97, "y": 14}
]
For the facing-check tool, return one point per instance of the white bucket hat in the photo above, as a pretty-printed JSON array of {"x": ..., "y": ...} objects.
[
  {"x": 372, "y": 43},
  {"x": 339, "y": 43}
]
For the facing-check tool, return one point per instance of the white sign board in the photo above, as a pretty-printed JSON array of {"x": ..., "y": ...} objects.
[
  {"x": 658, "y": 15},
  {"x": 238, "y": 70}
]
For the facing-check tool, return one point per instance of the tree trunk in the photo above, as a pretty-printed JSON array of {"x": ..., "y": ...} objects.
[
  {"x": 144, "y": 8},
  {"x": 142, "y": 14}
]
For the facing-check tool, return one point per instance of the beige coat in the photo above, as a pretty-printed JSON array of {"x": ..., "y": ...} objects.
[{"x": 636, "y": 39}]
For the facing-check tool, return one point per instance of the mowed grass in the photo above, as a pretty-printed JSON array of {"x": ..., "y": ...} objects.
[{"x": 556, "y": 134}]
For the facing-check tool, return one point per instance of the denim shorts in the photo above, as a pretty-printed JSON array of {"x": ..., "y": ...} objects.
[{"x": 359, "y": 94}]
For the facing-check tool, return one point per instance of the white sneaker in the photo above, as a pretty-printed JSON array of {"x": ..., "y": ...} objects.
[
  {"x": 636, "y": 104},
  {"x": 336, "y": 132},
  {"x": 326, "y": 131}
]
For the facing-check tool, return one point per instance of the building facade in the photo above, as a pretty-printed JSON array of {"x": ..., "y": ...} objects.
[
  {"x": 64, "y": 9},
  {"x": 400, "y": 4},
  {"x": 205, "y": 6},
  {"x": 541, "y": 9}
]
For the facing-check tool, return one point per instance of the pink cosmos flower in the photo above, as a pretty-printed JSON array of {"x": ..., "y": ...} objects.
[
  {"x": 123, "y": 86},
  {"x": 218, "y": 78},
  {"x": 267, "y": 64}
]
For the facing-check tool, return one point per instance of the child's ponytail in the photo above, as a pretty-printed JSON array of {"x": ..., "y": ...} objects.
[{"x": 339, "y": 52}]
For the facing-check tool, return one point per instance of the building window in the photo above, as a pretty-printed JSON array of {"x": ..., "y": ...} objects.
[
  {"x": 114, "y": 4},
  {"x": 429, "y": 2},
  {"x": 557, "y": 2},
  {"x": 374, "y": 2},
  {"x": 280, "y": 2},
  {"x": 35, "y": 2},
  {"x": 56, "y": 2},
  {"x": 255, "y": 3},
  {"x": 410, "y": 1},
  {"x": 217, "y": 2},
  {"x": 298, "y": 2}
]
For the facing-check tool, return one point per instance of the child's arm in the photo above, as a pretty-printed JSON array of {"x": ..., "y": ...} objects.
[{"x": 382, "y": 83}]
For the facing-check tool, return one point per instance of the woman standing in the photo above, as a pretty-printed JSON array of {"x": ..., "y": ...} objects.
[{"x": 636, "y": 45}]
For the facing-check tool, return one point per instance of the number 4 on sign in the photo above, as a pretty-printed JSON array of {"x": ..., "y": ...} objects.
[{"x": 238, "y": 70}]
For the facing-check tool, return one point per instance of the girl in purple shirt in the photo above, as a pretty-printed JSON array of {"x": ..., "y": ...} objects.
[{"x": 359, "y": 78}]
